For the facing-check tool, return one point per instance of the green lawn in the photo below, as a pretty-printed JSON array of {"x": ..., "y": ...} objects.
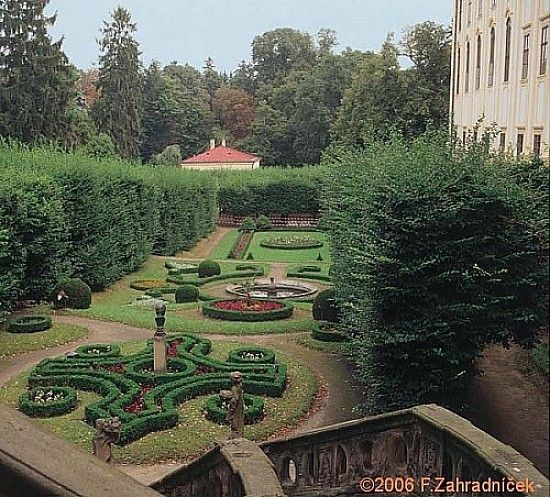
[
  {"x": 221, "y": 251},
  {"x": 194, "y": 433},
  {"x": 59, "y": 333},
  {"x": 290, "y": 256}
]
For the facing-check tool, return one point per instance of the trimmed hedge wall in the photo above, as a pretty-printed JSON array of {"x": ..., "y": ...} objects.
[
  {"x": 325, "y": 332},
  {"x": 48, "y": 408},
  {"x": 70, "y": 215},
  {"x": 253, "y": 193},
  {"x": 119, "y": 380},
  {"x": 209, "y": 310},
  {"x": 31, "y": 324}
]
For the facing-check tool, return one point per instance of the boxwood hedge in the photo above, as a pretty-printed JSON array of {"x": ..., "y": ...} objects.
[
  {"x": 253, "y": 409},
  {"x": 31, "y": 324}
]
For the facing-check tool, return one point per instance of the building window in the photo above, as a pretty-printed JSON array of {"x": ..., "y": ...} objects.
[
  {"x": 460, "y": 15},
  {"x": 543, "y": 50},
  {"x": 494, "y": 3},
  {"x": 519, "y": 144},
  {"x": 478, "y": 63},
  {"x": 502, "y": 141},
  {"x": 507, "y": 49},
  {"x": 464, "y": 137},
  {"x": 492, "y": 47},
  {"x": 525, "y": 59},
  {"x": 469, "y": 12},
  {"x": 458, "y": 71},
  {"x": 467, "y": 72},
  {"x": 537, "y": 145}
]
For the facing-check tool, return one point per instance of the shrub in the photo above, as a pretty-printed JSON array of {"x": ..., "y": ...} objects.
[
  {"x": 216, "y": 411},
  {"x": 325, "y": 306},
  {"x": 431, "y": 263},
  {"x": 31, "y": 324},
  {"x": 209, "y": 268},
  {"x": 319, "y": 257},
  {"x": 187, "y": 293},
  {"x": 78, "y": 294},
  {"x": 325, "y": 332},
  {"x": 250, "y": 257},
  {"x": 263, "y": 223},
  {"x": 46, "y": 402},
  {"x": 248, "y": 224}
]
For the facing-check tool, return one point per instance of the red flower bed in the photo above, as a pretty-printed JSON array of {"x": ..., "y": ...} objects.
[
  {"x": 252, "y": 306},
  {"x": 137, "y": 404},
  {"x": 111, "y": 368},
  {"x": 240, "y": 247},
  {"x": 203, "y": 370},
  {"x": 172, "y": 349}
]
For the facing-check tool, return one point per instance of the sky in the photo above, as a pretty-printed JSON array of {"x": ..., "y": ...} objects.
[{"x": 189, "y": 31}]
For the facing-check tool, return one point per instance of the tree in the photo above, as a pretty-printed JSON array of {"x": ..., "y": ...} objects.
[
  {"x": 36, "y": 80},
  {"x": 327, "y": 40},
  {"x": 212, "y": 81},
  {"x": 428, "y": 46},
  {"x": 243, "y": 78},
  {"x": 118, "y": 110},
  {"x": 170, "y": 156},
  {"x": 234, "y": 111},
  {"x": 277, "y": 52}
]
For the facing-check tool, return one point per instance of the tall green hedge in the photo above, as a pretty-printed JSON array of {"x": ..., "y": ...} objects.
[
  {"x": 69, "y": 215},
  {"x": 435, "y": 255},
  {"x": 271, "y": 191}
]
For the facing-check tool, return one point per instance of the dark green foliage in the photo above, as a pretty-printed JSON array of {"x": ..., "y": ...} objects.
[
  {"x": 69, "y": 215},
  {"x": 253, "y": 409},
  {"x": 79, "y": 294},
  {"x": 248, "y": 224},
  {"x": 35, "y": 408},
  {"x": 118, "y": 380},
  {"x": 248, "y": 273},
  {"x": 187, "y": 293},
  {"x": 431, "y": 263},
  {"x": 36, "y": 80},
  {"x": 209, "y": 310},
  {"x": 326, "y": 332},
  {"x": 540, "y": 358},
  {"x": 209, "y": 268},
  {"x": 263, "y": 223},
  {"x": 326, "y": 307},
  {"x": 250, "y": 257},
  {"x": 31, "y": 324},
  {"x": 118, "y": 109},
  {"x": 319, "y": 257},
  {"x": 260, "y": 192}
]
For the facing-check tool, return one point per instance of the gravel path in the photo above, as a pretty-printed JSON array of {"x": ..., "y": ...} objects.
[{"x": 205, "y": 247}]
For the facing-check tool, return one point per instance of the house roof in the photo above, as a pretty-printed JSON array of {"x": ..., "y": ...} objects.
[{"x": 221, "y": 154}]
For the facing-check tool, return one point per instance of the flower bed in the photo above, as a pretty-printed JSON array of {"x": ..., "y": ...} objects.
[
  {"x": 239, "y": 248},
  {"x": 243, "y": 310},
  {"x": 31, "y": 324},
  {"x": 175, "y": 268},
  {"x": 143, "y": 401},
  {"x": 47, "y": 402},
  {"x": 291, "y": 243},
  {"x": 252, "y": 355},
  {"x": 216, "y": 409},
  {"x": 143, "y": 285}
]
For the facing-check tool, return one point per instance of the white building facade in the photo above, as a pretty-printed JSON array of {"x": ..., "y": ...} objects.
[{"x": 501, "y": 72}]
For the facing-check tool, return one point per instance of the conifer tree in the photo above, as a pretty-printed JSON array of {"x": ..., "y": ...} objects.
[
  {"x": 36, "y": 80},
  {"x": 119, "y": 108}
]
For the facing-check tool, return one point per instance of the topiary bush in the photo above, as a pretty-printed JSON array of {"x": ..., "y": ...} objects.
[
  {"x": 78, "y": 294},
  {"x": 31, "y": 324},
  {"x": 187, "y": 293},
  {"x": 248, "y": 224},
  {"x": 325, "y": 306},
  {"x": 263, "y": 223},
  {"x": 326, "y": 332},
  {"x": 209, "y": 268}
]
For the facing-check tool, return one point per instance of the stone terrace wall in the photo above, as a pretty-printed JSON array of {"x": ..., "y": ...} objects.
[{"x": 426, "y": 441}]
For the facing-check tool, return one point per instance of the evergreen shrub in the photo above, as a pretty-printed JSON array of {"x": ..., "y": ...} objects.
[
  {"x": 79, "y": 294},
  {"x": 209, "y": 268},
  {"x": 326, "y": 307},
  {"x": 187, "y": 293}
]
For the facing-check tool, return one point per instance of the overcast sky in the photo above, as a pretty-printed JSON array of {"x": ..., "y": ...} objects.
[{"x": 191, "y": 30}]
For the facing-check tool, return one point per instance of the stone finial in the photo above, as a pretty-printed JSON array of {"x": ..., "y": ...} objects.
[{"x": 235, "y": 414}]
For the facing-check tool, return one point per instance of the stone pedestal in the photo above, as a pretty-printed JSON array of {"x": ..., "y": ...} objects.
[{"x": 159, "y": 349}]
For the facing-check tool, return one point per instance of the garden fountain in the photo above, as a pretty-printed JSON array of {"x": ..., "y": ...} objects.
[{"x": 271, "y": 289}]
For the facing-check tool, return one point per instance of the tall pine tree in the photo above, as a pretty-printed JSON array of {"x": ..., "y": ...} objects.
[
  {"x": 118, "y": 110},
  {"x": 36, "y": 80}
]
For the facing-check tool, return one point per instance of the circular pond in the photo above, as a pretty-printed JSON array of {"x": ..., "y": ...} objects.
[{"x": 266, "y": 289}]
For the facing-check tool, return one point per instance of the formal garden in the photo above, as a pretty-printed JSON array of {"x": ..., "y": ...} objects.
[{"x": 408, "y": 283}]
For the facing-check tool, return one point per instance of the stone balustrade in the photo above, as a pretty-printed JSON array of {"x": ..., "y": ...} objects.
[{"x": 423, "y": 444}]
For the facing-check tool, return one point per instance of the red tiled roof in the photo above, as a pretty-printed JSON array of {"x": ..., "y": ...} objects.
[{"x": 221, "y": 154}]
